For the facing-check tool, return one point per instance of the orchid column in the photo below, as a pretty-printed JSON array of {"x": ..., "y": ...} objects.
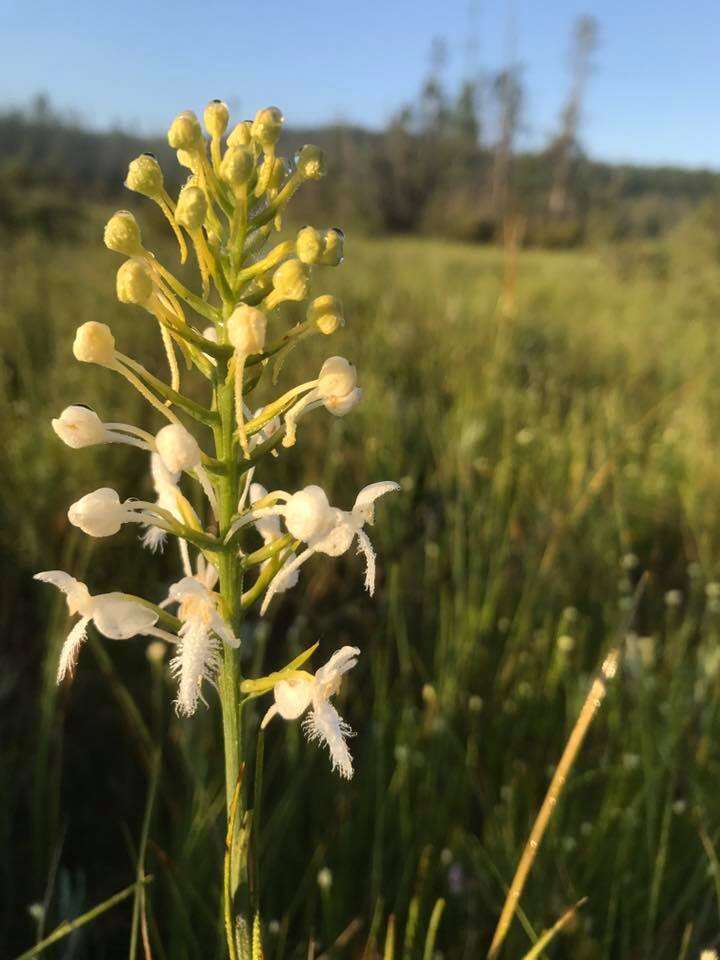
[{"x": 227, "y": 330}]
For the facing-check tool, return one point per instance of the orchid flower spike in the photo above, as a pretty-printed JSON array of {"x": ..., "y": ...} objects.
[
  {"x": 335, "y": 389},
  {"x": 79, "y": 426},
  {"x": 299, "y": 690},
  {"x": 102, "y": 513},
  {"x": 309, "y": 517},
  {"x": 199, "y": 642},
  {"x": 115, "y": 616}
]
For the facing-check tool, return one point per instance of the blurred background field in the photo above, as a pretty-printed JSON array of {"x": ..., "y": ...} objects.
[{"x": 544, "y": 381}]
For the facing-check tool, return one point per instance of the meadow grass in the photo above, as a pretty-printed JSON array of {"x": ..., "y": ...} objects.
[{"x": 550, "y": 454}]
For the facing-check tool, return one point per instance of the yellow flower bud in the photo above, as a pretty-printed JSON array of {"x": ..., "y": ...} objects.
[
  {"x": 191, "y": 208},
  {"x": 134, "y": 283},
  {"x": 266, "y": 127},
  {"x": 291, "y": 280},
  {"x": 311, "y": 163},
  {"x": 327, "y": 313},
  {"x": 145, "y": 176},
  {"x": 241, "y": 135},
  {"x": 186, "y": 160},
  {"x": 185, "y": 132},
  {"x": 278, "y": 174},
  {"x": 94, "y": 343},
  {"x": 122, "y": 234},
  {"x": 334, "y": 240},
  {"x": 237, "y": 167},
  {"x": 216, "y": 117},
  {"x": 246, "y": 327},
  {"x": 309, "y": 245}
]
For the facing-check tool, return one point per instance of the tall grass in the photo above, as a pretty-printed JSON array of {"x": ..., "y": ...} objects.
[{"x": 549, "y": 456}]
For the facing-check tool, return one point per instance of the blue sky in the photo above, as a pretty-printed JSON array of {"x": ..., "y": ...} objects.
[{"x": 654, "y": 96}]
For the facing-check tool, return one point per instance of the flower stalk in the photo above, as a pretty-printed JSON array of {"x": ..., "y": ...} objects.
[{"x": 229, "y": 207}]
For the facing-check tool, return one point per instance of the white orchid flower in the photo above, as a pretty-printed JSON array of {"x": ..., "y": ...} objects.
[
  {"x": 165, "y": 484},
  {"x": 79, "y": 426},
  {"x": 115, "y": 616},
  {"x": 179, "y": 451},
  {"x": 102, "y": 513},
  {"x": 300, "y": 690},
  {"x": 198, "y": 655},
  {"x": 335, "y": 389},
  {"x": 309, "y": 517}
]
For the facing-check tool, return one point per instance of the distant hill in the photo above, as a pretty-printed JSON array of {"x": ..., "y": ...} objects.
[{"x": 391, "y": 181}]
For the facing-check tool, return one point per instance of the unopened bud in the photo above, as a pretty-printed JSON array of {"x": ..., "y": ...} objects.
[
  {"x": 237, "y": 166},
  {"x": 216, "y": 117},
  {"x": 240, "y": 135},
  {"x": 334, "y": 243},
  {"x": 79, "y": 426},
  {"x": 246, "y": 328},
  {"x": 122, "y": 234},
  {"x": 178, "y": 448},
  {"x": 134, "y": 283},
  {"x": 145, "y": 176},
  {"x": 94, "y": 343},
  {"x": 266, "y": 127},
  {"x": 311, "y": 163},
  {"x": 191, "y": 208},
  {"x": 337, "y": 380},
  {"x": 186, "y": 160},
  {"x": 185, "y": 132},
  {"x": 99, "y": 514},
  {"x": 309, "y": 245},
  {"x": 291, "y": 280},
  {"x": 308, "y": 513},
  {"x": 278, "y": 174},
  {"x": 327, "y": 313}
]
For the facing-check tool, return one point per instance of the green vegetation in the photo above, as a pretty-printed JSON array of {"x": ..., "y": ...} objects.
[{"x": 555, "y": 437}]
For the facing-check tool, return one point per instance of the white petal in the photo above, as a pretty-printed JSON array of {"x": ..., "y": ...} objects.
[
  {"x": 293, "y": 696},
  {"x": 363, "y": 510},
  {"x": 78, "y": 595},
  {"x": 119, "y": 618},
  {"x": 277, "y": 584},
  {"x": 339, "y": 663},
  {"x": 325, "y": 724},
  {"x": 366, "y": 548},
  {"x": 197, "y": 660},
  {"x": 71, "y": 649},
  {"x": 338, "y": 539}
]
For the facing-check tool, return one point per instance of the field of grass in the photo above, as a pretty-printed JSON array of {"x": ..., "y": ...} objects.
[{"x": 550, "y": 452}]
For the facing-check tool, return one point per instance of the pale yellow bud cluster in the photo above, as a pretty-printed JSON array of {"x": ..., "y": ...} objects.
[
  {"x": 313, "y": 247},
  {"x": 326, "y": 313}
]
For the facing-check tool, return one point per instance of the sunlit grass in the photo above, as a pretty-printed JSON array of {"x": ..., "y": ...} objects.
[{"x": 548, "y": 458}]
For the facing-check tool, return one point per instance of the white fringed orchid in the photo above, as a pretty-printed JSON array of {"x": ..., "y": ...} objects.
[
  {"x": 165, "y": 484},
  {"x": 198, "y": 655},
  {"x": 79, "y": 426},
  {"x": 309, "y": 517},
  {"x": 296, "y": 690},
  {"x": 269, "y": 529},
  {"x": 102, "y": 513},
  {"x": 115, "y": 616},
  {"x": 335, "y": 389}
]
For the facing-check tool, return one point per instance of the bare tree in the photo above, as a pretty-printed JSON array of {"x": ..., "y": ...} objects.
[{"x": 563, "y": 150}]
